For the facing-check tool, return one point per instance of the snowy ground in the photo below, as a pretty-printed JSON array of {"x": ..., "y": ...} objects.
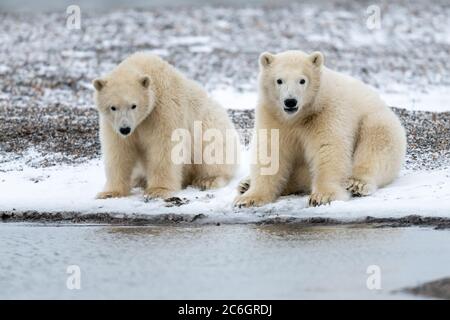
[
  {"x": 46, "y": 114},
  {"x": 51, "y": 170},
  {"x": 72, "y": 189}
]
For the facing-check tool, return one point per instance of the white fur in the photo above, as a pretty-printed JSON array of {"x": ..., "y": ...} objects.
[
  {"x": 165, "y": 100},
  {"x": 342, "y": 137}
]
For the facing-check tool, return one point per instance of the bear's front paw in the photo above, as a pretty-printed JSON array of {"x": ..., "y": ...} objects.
[
  {"x": 110, "y": 194},
  {"x": 360, "y": 188},
  {"x": 325, "y": 197},
  {"x": 251, "y": 200},
  {"x": 153, "y": 193}
]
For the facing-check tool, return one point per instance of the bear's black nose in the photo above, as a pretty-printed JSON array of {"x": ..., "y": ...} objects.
[
  {"x": 290, "y": 103},
  {"x": 125, "y": 130}
]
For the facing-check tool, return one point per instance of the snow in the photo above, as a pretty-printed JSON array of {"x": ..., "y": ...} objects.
[
  {"x": 437, "y": 99},
  {"x": 233, "y": 99},
  {"x": 73, "y": 189}
]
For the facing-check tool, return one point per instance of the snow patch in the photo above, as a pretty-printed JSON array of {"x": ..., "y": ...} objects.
[
  {"x": 435, "y": 99},
  {"x": 73, "y": 189},
  {"x": 232, "y": 99}
]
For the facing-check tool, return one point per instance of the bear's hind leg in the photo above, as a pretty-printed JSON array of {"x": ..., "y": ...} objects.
[
  {"x": 379, "y": 153},
  {"x": 212, "y": 182},
  {"x": 212, "y": 176}
]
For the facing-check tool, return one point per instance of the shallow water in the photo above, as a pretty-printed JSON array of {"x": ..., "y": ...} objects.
[{"x": 217, "y": 262}]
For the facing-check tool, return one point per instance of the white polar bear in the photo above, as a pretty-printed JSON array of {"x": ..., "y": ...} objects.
[
  {"x": 141, "y": 103},
  {"x": 336, "y": 134}
]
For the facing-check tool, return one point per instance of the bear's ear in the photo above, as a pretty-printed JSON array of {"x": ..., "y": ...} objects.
[
  {"x": 144, "y": 81},
  {"x": 99, "y": 84},
  {"x": 316, "y": 58},
  {"x": 266, "y": 58}
]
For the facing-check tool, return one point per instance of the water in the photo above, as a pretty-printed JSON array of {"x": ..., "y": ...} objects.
[{"x": 216, "y": 262}]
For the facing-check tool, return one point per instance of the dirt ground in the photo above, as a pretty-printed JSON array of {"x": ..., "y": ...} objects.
[{"x": 70, "y": 135}]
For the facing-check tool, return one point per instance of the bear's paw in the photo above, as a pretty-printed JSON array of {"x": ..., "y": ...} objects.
[
  {"x": 252, "y": 200},
  {"x": 110, "y": 194},
  {"x": 359, "y": 187},
  {"x": 158, "y": 192},
  {"x": 326, "y": 197}
]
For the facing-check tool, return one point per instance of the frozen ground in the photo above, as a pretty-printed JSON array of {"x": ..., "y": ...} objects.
[
  {"x": 66, "y": 191},
  {"x": 220, "y": 262}
]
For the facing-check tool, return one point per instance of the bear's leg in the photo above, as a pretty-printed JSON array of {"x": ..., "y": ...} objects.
[
  {"x": 219, "y": 159},
  {"x": 300, "y": 181},
  {"x": 138, "y": 179},
  {"x": 204, "y": 183},
  {"x": 379, "y": 153},
  {"x": 163, "y": 176},
  {"x": 212, "y": 176},
  {"x": 265, "y": 187},
  {"x": 119, "y": 161},
  {"x": 330, "y": 167}
]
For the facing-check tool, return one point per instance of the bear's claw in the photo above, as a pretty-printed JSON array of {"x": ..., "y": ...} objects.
[
  {"x": 318, "y": 199},
  {"x": 243, "y": 186},
  {"x": 326, "y": 197},
  {"x": 246, "y": 201},
  {"x": 359, "y": 188}
]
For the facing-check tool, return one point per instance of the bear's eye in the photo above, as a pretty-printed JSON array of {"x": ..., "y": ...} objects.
[
  {"x": 302, "y": 81},
  {"x": 113, "y": 108},
  {"x": 133, "y": 106},
  {"x": 279, "y": 81}
]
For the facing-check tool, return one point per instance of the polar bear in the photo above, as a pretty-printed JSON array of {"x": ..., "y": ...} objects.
[
  {"x": 336, "y": 136},
  {"x": 141, "y": 103}
]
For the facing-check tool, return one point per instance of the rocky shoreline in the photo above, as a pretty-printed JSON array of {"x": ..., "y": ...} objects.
[
  {"x": 63, "y": 135},
  {"x": 113, "y": 218}
]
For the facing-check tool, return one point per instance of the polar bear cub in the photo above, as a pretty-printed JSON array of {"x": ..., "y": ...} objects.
[
  {"x": 141, "y": 103},
  {"x": 336, "y": 136}
]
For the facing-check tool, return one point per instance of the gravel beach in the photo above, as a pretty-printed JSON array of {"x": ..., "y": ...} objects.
[
  {"x": 46, "y": 107},
  {"x": 61, "y": 134}
]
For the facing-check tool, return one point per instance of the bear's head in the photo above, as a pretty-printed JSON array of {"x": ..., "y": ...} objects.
[
  {"x": 289, "y": 81},
  {"x": 124, "y": 100}
]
